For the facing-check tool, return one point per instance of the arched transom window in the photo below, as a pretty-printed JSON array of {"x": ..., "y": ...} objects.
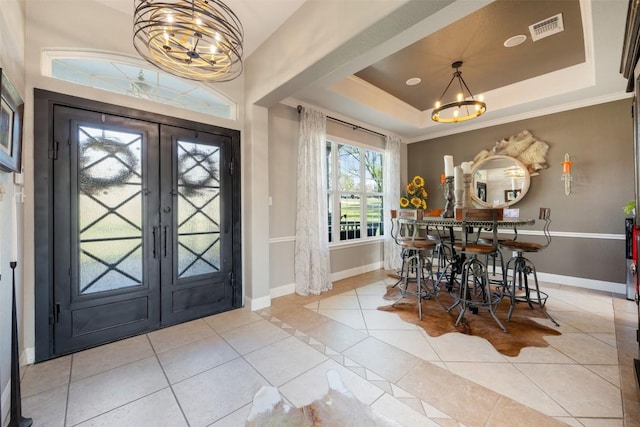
[{"x": 127, "y": 76}]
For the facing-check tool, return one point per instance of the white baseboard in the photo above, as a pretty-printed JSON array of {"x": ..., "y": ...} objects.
[
  {"x": 283, "y": 290},
  {"x": 29, "y": 356},
  {"x": 257, "y": 303},
  {"x": 339, "y": 275},
  {"x": 580, "y": 282},
  {"x": 290, "y": 288}
]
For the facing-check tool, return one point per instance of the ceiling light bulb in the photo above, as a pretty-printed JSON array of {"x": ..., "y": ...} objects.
[
  {"x": 455, "y": 113},
  {"x": 459, "y": 97},
  {"x": 481, "y": 98},
  {"x": 438, "y": 104},
  {"x": 477, "y": 107}
]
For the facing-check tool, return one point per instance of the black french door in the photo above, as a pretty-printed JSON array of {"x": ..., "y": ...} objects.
[
  {"x": 195, "y": 231},
  {"x": 143, "y": 230}
]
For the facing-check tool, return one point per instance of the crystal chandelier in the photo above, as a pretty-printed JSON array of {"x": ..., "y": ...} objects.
[
  {"x": 465, "y": 107},
  {"x": 198, "y": 39}
]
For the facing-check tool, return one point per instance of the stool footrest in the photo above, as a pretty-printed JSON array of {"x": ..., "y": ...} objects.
[{"x": 533, "y": 298}]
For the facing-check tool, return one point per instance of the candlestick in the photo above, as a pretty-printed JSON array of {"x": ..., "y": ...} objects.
[
  {"x": 15, "y": 412},
  {"x": 448, "y": 165},
  {"x": 14, "y": 232},
  {"x": 457, "y": 175},
  {"x": 458, "y": 185},
  {"x": 566, "y": 174},
  {"x": 448, "y": 207},
  {"x": 466, "y": 167},
  {"x": 467, "y": 202}
]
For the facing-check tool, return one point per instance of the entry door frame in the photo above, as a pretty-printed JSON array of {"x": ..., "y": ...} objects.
[{"x": 44, "y": 156}]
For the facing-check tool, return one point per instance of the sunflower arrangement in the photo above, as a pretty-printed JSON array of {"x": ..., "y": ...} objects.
[{"x": 416, "y": 194}]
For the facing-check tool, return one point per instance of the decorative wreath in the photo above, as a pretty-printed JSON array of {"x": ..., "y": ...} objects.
[
  {"x": 111, "y": 148},
  {"x": 189, "y": 182}
]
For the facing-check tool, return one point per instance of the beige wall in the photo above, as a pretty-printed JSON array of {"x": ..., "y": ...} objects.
[
  {"x": 283, "y": 151},
  {"x": 588, "y": 224},
  {"x": 599, "y": 140},
  {"x": 12, "y": 41}
]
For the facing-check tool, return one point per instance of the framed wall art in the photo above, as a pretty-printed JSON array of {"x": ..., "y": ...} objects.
[
  {"x": 510, "y": 195},
  {"x": 481, "y": 189},
  {"x": 11, "y": 118}
]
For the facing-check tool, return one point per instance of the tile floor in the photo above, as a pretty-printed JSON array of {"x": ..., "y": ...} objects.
[{"x": 205, "y": 372}]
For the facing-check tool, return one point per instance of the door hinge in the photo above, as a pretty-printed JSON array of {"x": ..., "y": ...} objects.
[
  {"x": 231, "y": 168},
  {"x": 53, "y": 151}
]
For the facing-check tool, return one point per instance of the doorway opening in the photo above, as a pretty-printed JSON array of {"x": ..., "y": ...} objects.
[{"x": 137, "y": 222}]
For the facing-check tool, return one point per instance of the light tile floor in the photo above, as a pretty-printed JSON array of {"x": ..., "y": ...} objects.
[{"x": 206, "y": 372}]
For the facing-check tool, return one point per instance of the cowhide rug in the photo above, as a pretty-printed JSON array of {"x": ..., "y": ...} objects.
[
  {"x": 523, "y": 331},
  {"x": 339, "y": 407}
]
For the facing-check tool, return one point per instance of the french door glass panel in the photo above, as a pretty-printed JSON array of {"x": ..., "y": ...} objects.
[
  {"x": 198, "y": 209},
  {"x": 109, "y": 209}
]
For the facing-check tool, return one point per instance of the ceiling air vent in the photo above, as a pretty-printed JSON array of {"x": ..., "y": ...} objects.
[{"x": 546, "y": 27}]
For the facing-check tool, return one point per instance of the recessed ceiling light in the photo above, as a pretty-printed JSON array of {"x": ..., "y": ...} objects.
[
  {"x": 515, "y": 40},
  {"x": 413, "y": 81}
]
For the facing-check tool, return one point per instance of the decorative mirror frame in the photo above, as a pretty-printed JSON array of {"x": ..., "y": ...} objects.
[{"x": 511, "y": 197}]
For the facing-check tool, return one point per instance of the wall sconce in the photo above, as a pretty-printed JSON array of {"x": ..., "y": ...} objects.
[{"x": 566, "y": 174}]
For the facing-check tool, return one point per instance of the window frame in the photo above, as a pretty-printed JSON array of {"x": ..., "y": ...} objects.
[
  {"x": 48, "y": 56},
  {"x": 334, "y": 194}
]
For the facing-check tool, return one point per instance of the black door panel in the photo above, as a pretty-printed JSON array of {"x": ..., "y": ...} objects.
[{"x": 143, "y": 227}]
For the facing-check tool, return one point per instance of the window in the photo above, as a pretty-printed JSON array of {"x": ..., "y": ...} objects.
[
  {"x": 354, "y": 183},
  {"x": 133, "y": 78}
]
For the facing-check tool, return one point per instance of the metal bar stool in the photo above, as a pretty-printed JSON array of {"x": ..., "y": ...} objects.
[
  {"x": 406, "y": 253},
  {"x": 522, "y": 267},
  {"x": 475, "y": 286},
  {"x": 405, "y": 232},
  {"x": 442, "y": 254},
  {"x": 496, "y": 257}
]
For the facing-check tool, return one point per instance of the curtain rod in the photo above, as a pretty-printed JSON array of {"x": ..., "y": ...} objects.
[{"x": 354, "y": 127}]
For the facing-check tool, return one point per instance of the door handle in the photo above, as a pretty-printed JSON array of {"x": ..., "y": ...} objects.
[
  {"x": 165, "y": 241},
  {"x": 155, "y": 238}
]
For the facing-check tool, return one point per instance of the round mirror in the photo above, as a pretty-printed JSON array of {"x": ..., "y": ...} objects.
[{"x": 499, "y": 181}]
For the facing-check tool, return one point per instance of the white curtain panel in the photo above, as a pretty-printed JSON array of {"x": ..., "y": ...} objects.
[
  {"x": 312, "y": 266},
  {"x": 391, "y": 187}
]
